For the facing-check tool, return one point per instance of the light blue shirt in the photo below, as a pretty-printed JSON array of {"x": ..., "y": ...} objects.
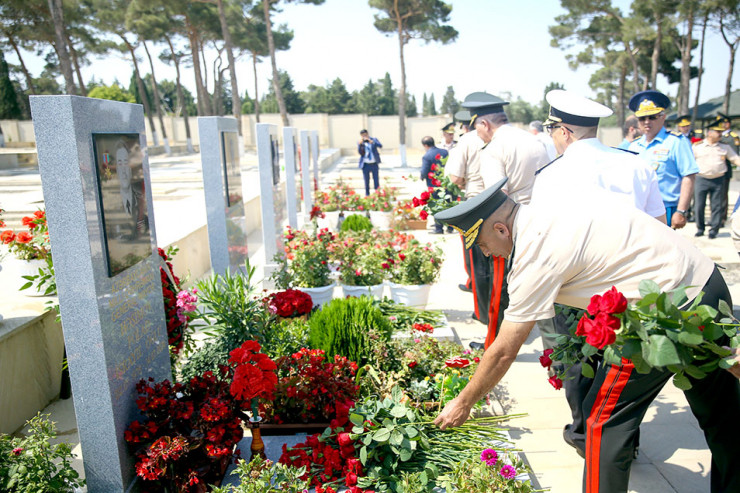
[
  {"x": 624, "y": 145},
  {"x": 672, "y": 159}
]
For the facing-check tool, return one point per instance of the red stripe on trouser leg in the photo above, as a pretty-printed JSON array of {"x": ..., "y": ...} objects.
[
  {"x": 606, "y": 400},
  {"x": 467, "y": 264},
  {"x": 497, "y": 285},
  {"x": 472, "y": 280}
]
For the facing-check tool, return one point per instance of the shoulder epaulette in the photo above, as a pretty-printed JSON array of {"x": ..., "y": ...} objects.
[
  {"x": 545, "y": 166},
  {"x": 626, "y": 150},
  {"x": 733, "y": 134},
  {"x": 677, "y": 134}
]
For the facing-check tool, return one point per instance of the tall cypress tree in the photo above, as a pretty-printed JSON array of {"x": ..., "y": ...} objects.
[{"x": 9, "y": 108}]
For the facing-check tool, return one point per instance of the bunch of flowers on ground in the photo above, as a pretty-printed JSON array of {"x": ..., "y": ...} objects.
[
  {"x": 289, "y": 303},
  {"x": 651, "y": 333}
]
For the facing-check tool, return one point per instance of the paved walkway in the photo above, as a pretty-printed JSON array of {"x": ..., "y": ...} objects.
[{"x": 673, "y": 454}]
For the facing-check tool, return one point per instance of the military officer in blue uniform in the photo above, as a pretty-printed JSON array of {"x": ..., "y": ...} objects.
[{"x": 668, "y": 153}]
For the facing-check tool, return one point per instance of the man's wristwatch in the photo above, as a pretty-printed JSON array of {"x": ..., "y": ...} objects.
[{"x": 683, "y": 213}]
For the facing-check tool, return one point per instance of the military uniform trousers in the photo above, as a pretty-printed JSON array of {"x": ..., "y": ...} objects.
[
  {"x": 490, "y": 293},
  {"x": 712, "y": 187},
  {"x": 620, "y": 396},
  {"x": 468, "y": 258}
]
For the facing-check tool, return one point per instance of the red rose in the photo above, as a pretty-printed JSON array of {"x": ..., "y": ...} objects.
[
  {"x": 613, "y": 301},
  {"x": 343, "y": 439},
  {"x": 423, "y": 215},
  {"x": 416, "y": 202},
  {"x": 584, "y": 326},
  {"x": 424, "y": 196},
  {"x": 595, "y": 305},
  {"x": 430, "y": 175},
  {"x": 434, "y": 167},
  {"x": 545, "y": 360},
  {"x": 555, "y": 382},
  {"x": 413, "y": 364},
  {"x": 436, "y": 182},
  {"x": 602, "y": 330},
  {"x": 438, "y": 157}
]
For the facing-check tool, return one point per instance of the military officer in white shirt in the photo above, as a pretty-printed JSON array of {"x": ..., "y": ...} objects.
[{"x": 565, "y": 252}]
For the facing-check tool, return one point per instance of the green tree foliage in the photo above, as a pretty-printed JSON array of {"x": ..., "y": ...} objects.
[
  {"x": 432, "y": 108},
  {"x": 112, "y": 92},
  {"x": 424, "y": 105},
  {"x": 168, "y": 98},
  {"x": 333, "y": 99},
  {"x": 293, "y": 101},
  {"x": 9, "y": 108},
  {"x": 411, "y": 109},
  {"x": 412, "y": 19},
  {"x": 450, "y": 105},
  {"x": 518, "y": 110}
]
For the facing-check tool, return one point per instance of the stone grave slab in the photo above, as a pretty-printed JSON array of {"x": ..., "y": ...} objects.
[
  {"x": 315, "y": 158},
  {"x": 293, "y": 179},
  {"x": 272, "y": 196},
  {"x": 97, "y": 191},
  {"x": 306, "y": 154},
  {"x": 222, "y": 185}
]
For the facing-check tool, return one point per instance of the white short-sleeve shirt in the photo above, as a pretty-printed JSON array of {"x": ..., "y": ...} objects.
[
  {"x": 589, "y": 163},
  {"x": 585, "y": 243},
  {"x": 516, "y": 154},
  {"x": 464, "y": 162}
]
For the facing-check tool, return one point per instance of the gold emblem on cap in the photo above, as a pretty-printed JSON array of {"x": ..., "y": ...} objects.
[{"x": 648, "y": 107}]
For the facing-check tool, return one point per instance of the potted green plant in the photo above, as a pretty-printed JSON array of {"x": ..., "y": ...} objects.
[
  {"x": 305, "y": 264},
  {"x": 415, "y": 269},
  {"x": 362, "y": 265}
]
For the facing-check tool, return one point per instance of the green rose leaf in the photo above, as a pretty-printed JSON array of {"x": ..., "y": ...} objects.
[
  {"x": 589, "y": 350},
  {"x": 398, "y": 411},
  {"x": 660, "y": 351},
  {"x": 724, "y": 308},
  {"x": 405, "y": 454},
  {"x": 648, "y": 286},
  {"x": 690, "y": 338},
  {"x": 382, "y": 435},
  {"x": 712, "y": 332},
  {"x": 611, "y": 357},
  {"x": 695, "y": 372},
  {"x": 396, "y": 438},
  {"x": 357, "y": 429},
  {"x": 367, "y": 439},
  {"x": 587, "y": 370},
  {"x": 640, "y": 364},
  {"x": 363, "y": 455},
  {"x": 411, "y": 431},
  {"x": 356, "y": 419},
  {"x": 681, "y": 381}
]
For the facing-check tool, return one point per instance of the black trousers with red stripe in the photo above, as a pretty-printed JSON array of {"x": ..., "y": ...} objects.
[
  {"x": 620, "y": 396},
  {"x": 490, "y": 294},
  {"x": 468, "y": 265}
]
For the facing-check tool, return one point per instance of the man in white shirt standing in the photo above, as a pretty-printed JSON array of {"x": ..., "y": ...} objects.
[
  {"x": 587, "y": 164},
  {"x": 712, "y": 156},
  {"x": 536, "y": 129},
  {"x": 511, "y": 153}
]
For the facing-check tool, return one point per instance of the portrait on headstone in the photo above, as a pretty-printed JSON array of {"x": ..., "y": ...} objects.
[
  {"x": 298, "y": 175},
  {"x": 275, "y": 154},
  {"x": 232, "y": 171},
  {"x": 122, "y": 194}
]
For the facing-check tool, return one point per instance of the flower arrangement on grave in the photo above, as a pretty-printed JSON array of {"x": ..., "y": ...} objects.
[
  {"x": 188, "y": 434},
  {"x": 652, "y": 333},
  {"x": 312, "y": 388},
  {"x": 381, "y": 199},
  {"x": 405, "y": 212},
  {"x": 417, "y": 264},
  {"x": 35, "y": 462},
  {"x": 492, "y": 471},
  {"x": 254, "y": 377},
  {"x": 363, "y": 261},
  {"x": 390, "y": 439},
  {"x": 289, "y": 303},
  {"x": 339, "y": 197},
  {"x": 305, "y": 262},
  {"x": 179, "y": 304},
  {"x": 443, "y": 193},
  {"x": 32, "y": 243}
]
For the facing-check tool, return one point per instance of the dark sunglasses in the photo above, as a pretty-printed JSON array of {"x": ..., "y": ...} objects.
[
  {"x": 651, "y": 117},
  {"x": 551, "y": 129}
]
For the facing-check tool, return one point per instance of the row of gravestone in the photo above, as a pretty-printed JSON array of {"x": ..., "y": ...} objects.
[{"x": 97, "y": 192}]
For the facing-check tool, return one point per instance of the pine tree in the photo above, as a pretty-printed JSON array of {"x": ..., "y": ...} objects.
[
  {"x": 432, "y": 106},
  {"x": 9, "y": 108},
  {"x": 424, "y": 106}
]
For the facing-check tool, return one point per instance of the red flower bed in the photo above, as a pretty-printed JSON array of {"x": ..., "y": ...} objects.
[
  {"x": 289, "y": 303},
  {"x": 312, "y": 389}
]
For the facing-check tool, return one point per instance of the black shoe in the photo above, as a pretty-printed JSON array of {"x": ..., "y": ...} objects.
[
  {"x": 477, "y": 345},
  {"x": 712, "y": 235},
  {"x": 438, "y": 232},
  {"x": 570, "y": 440},
  {"x": 450, "y": 230},
  {"x": 699, "y": 233},
  {"x": 465, "y": 288}
]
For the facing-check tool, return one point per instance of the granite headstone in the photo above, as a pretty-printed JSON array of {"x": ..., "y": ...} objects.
[
  {"x": 315, "y": 158},
  {"x": 222, "y": 184},
  {"x": 293, "y": 177},
  {"x": 272, "y": 195},
  {"x": 95, "y": 178},
  {"x": 306, "y": 170}
]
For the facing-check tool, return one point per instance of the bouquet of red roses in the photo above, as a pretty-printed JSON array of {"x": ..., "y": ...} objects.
[
  {"x": 652, "y": 333},
  {"x": 442, "y": 195}
]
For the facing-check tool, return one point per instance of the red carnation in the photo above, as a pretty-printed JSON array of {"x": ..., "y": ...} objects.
[{"x": 24, "y": 237}]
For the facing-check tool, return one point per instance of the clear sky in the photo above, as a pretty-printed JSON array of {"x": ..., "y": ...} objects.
[{"x": 503, "y": 45}]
